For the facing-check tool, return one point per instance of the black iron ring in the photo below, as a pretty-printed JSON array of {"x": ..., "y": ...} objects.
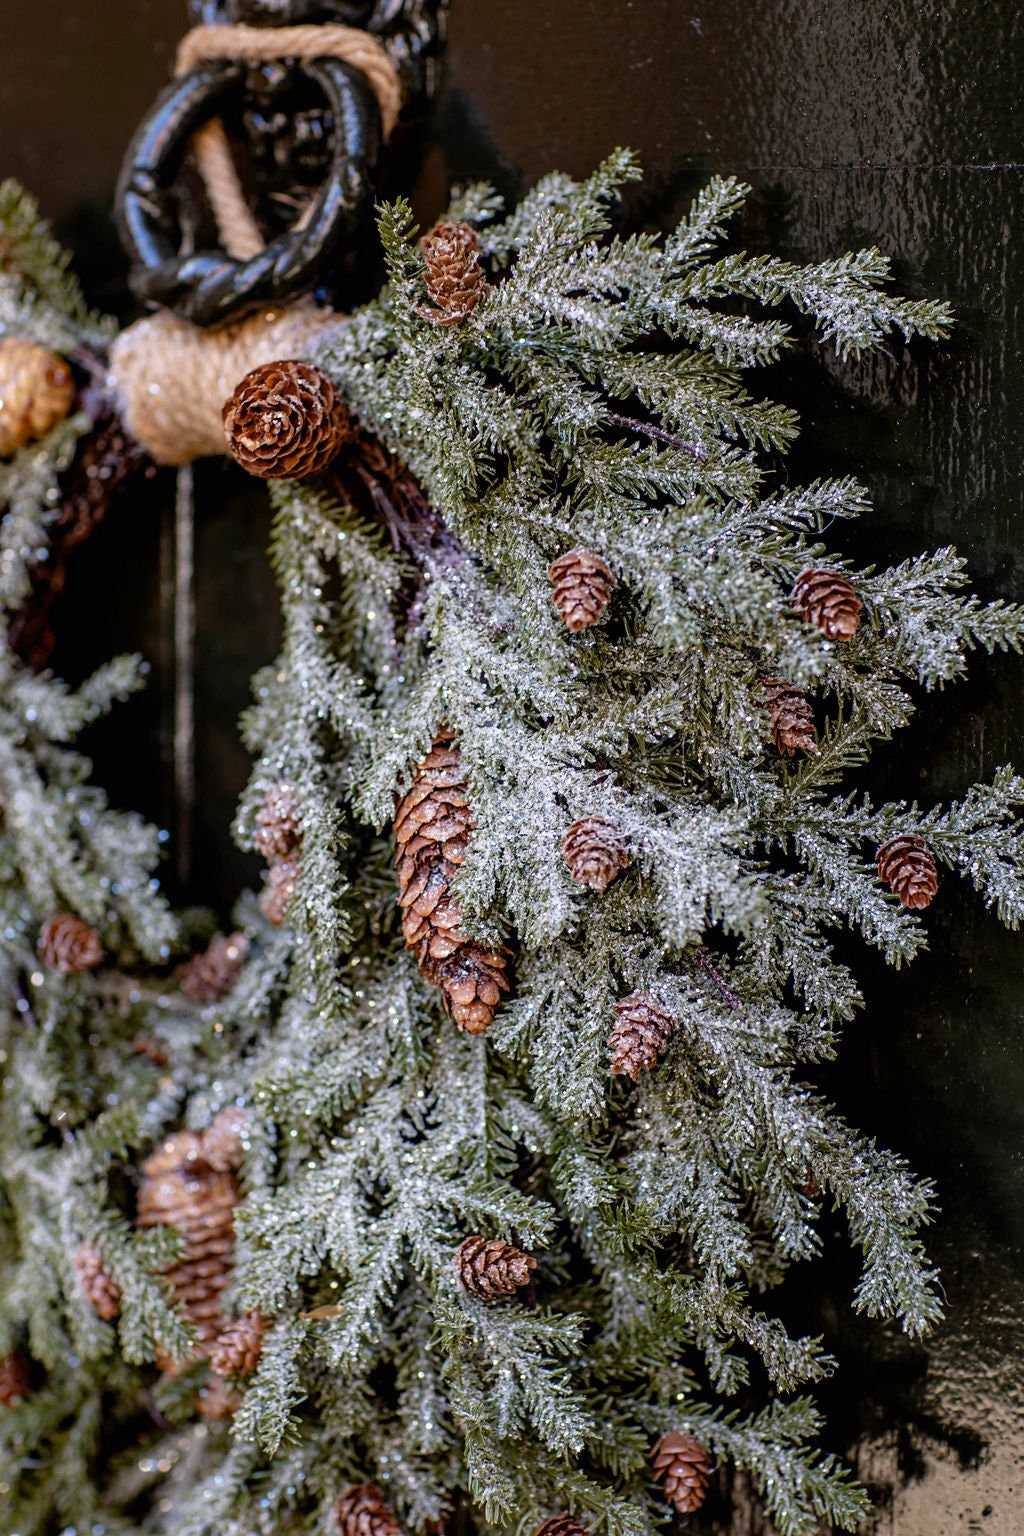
[{"x": 210, "y": 286}]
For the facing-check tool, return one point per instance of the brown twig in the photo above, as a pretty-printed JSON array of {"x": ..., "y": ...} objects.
[
  {"x": 728, "y": 997},
  {"x": 106, "y": 460},
  {"x": 648, "y": 429},
  {"x": 373, "y": 480}
]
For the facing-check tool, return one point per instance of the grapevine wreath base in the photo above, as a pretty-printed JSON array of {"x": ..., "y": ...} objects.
[{"x": 449, "y": 1188}]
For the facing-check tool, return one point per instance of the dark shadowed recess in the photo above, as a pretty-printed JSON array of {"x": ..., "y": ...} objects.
[{"x": 857, "y": 121}]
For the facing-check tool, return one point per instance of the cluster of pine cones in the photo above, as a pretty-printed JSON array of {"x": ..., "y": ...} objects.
[
  {"x": 433, "y": 824},
  {"x": 681, "y": 1464},
  {"x": 190, "y": 1183},
  {"x": 286, "y": 420}
]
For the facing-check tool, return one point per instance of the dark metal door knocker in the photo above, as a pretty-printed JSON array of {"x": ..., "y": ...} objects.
[{"x": 311, "y": 131}]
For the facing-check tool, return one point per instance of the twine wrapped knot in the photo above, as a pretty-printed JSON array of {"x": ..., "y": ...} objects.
[
  {"x": 238, "y": 230},
  {"x": 171, "y": 378}
]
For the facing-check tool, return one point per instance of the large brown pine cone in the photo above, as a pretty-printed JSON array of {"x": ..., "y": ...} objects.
[
  {"x": 828, "y": 601},
  {"x": 452, "y": 276},
  {"x": 101, "y": 1292},
  {"x": 278, "y": 890},
  {"x": 209, "y": 976},
  {"x": 433, "y": 824},
  {"x": 68, "y": 944},
  {"x": 810, "y": 1186},
  {"x": 286, "y": 421},
  {"x": 790, "y": 716},
  {"x": 277, "y": 823},
  {"x": 684, "y": 1466},
  {"x": 595, "y": 851},
  {"x": 362, "y": 1510},
  {"x": 487, "y": 1267},
  {"x": 36, "y": 391},
  {"x": 907, "y": 867},
  {"x": 583, "y": 588},
  {"x": 238, "y": 1346},
  {"x": 15, "y": 1380},
  {"x": 180, "y": 1188},
  {"x": 641, "y": 1034},
  {"x": 562, "y": 1525}
]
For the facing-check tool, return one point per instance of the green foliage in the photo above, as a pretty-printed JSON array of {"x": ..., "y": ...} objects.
[
  {"x": 39, "y": 295},
  {"x": 594, "y": 397},
  {"x": 75, "y": 1100}
]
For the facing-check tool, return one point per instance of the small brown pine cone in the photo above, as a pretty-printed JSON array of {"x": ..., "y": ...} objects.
[
  {"x": 561, "y": 1525},
  {"x": 101, "y": 1292},
  {"x": 790, "y": 716},
  {"x": 684, "y": 1466},
  {"x": 362, "y": 1510},
  {"x": 828, "y": 601},
  {"x": 278, "y": 890},
  {"x": 223, "y": 1141},
  {"x": 15, "y": 1380},
  {"x": 145, "y": 1045},
  {"x": 641, "y": 1034},
  {"x": 180, "y": 1189},
  {"x": 214, "y": 1401},
  {"x": 810, "y": 1186},
  {"x": 595, "y": 851},
  {"x": 68, "y": 944},
  {"x": 487, "y": 1267},
  {"x": 908, "y": 868},
  {"x": 209, "y": 976},
  {"x": 106, "y": 460},
  {"x": 433, "y": 824},
  {"x": 583, "y": 588},
  {"x": 36, "y": 391},
  {"x": 238, "y": 1346},
  {"x": 277, "y": 823},
  {"x": 453, "y": 277},
  {"x": 285, "y": 421}
]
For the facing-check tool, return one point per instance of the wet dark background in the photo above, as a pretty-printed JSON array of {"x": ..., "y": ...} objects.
[{"x": 856, "y": 121}]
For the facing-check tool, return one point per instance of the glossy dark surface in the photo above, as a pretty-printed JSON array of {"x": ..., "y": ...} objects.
[
  {"x": 172, "y": 264},
  {"x": 893, "y": 123},
  {"x": 209, "y": 286}
]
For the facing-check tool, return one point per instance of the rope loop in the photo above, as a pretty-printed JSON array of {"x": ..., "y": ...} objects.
[
  {"x": 260, "y": 45},
  {"x": 239, "y": 233}
]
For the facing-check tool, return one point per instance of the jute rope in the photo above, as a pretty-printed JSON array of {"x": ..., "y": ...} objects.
[
  {"x": 239, "y": 232},
  {"x": 171, "y": 378}
]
